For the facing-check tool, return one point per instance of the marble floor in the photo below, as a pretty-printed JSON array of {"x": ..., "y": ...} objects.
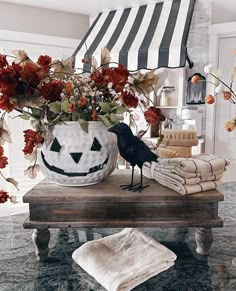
[{"x": 20, "y": 271}]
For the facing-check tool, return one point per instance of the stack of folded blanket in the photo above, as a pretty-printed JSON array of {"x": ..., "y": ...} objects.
[
  {"x": 188, "y": 175},
  {"x": 122, "y": 261}
]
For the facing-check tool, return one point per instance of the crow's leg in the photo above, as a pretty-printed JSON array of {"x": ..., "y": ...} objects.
[
  {"x": 129, "y": 186},
  {"x": 139, "y": 187}
]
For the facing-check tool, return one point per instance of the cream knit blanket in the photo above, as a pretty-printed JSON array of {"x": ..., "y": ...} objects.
[{"x": 122, "y": 261}]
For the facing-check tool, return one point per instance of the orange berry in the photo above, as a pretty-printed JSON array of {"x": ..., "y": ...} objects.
[
  {"x": 94, "y": 115},
  {"x": 82, "y": 101},
  {"x": 226, "y": 95},
  {"x": 209, "y": 99},
  {"x": 195, "y": 79},
  {"x": 228, "y": 126}
]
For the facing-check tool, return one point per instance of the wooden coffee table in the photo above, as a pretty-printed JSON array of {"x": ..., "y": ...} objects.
[{"x": 107, "y": 205}]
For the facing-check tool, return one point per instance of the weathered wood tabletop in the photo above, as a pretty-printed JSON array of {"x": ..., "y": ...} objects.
[{"x": 109, "y": 191}]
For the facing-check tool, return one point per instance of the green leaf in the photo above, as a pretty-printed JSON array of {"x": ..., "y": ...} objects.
[
  {"x": 105, "y": 107},
  {"x": 84, "y": 125},
  {"x": 36, "y": 111},
  {"x": 105, "y": 120},
  {"x": 34, "y": 124},
  {"x": 120, "y": 110},
  {"x": 113, "y": 105},
  {"x": 75, "y": 116},
  {"x": 64, "y": 106},
  {"x": 55, "y": 107},
  {"x": 24, "y": 117},
  {"x": 114, "y": 118}
]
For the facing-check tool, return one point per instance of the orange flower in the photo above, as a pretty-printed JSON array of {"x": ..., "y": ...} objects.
[
  {"x": 228, "y": 126},
  {"x": 226, "y": 95},
  {"x": 234, "y": 51},
  {"x": 209, "y": 99},
  {"x": 68, "y": 87},
  {"x": 94, "y": 115},
  {"x": 82, "y": 101},
  {"x": 195, "y": 79},
  {"x": 71, "y": 107}
]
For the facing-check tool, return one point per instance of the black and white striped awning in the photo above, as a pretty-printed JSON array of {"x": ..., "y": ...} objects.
[{"x": 145, "y": 37}]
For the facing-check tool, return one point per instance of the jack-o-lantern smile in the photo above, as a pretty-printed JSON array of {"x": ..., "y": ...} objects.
[{"x": 56, "y": 147}]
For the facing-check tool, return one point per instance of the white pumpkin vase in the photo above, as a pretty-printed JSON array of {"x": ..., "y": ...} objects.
[{"x": 77, "y": 158}]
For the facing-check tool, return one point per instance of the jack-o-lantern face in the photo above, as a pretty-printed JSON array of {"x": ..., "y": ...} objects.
[{"x": 81, "y": 161}]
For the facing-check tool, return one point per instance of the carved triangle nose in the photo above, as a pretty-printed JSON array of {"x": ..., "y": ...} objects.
[{"x": 76, "y": 157}]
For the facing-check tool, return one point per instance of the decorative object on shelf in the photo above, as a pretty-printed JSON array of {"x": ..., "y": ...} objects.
[
  {"x": 133, "y": 150},
  {"x": 167, "y": 96},
  {"x": 155, "y": 127},
  {"x": 196, "y": 89},
  {"x": 178, "y": 141},
  {"x": 50, "y": 93},
  {"x": 188, "y": 175},
  {"x": 78, "y": 158}
]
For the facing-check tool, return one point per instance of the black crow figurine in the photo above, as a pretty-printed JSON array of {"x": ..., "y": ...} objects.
[{"x": 133, "y": 150}]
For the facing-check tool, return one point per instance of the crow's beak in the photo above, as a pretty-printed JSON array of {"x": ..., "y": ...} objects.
[{"x": 112, "y": 129}]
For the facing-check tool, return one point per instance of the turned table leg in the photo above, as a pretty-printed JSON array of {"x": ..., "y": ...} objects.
[
  {"x": 204, "y": 239},
  {"x": 41, "y": 237}
]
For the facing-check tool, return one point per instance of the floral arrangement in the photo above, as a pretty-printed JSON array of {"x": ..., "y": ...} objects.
[
  {"x": 49, "y": 92},
  {"x": 221, "y": 89}
]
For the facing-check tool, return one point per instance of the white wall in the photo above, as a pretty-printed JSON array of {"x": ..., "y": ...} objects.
[
  {"x": 223, "y": 11},
  {"x": 35, "y": 20}
]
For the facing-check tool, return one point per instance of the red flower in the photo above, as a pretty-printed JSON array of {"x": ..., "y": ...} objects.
[
  {"x": 3, "y": 159},
  {"x": 103, "y": 77},
  {"x": 3, "y": 196},
  {"x": 32, "y": 138},
  {"x": 29, "y": 74},
  {"x": 44, "y": 60},
  {"x": 3, "y": 61},
  {"x": 8, "y": 80},
  {"x": 5, "y": 103},
  {"x": 152, "y": 114},
  {"x": 119, "y": 78},
  {"x": 52, "y": 90},
  {"x": 129, "y": 99}
]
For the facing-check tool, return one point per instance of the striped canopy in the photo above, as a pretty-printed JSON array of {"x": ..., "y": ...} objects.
[{"x": 145, "y": 37}]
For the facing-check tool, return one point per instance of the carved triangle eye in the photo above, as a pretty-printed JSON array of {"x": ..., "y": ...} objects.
[
  {"x": 96, "y": 145},
  {"x": 55, "y": 147}
]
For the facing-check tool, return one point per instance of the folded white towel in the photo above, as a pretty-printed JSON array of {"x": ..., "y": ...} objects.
[
  {"x": 152, "y": 173},
  {"x": 189, "y": 180},
  {"x": 178, "y": 171},
  {"x": 122, "y": 261},
  {"x": 203, "y": 164}
]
